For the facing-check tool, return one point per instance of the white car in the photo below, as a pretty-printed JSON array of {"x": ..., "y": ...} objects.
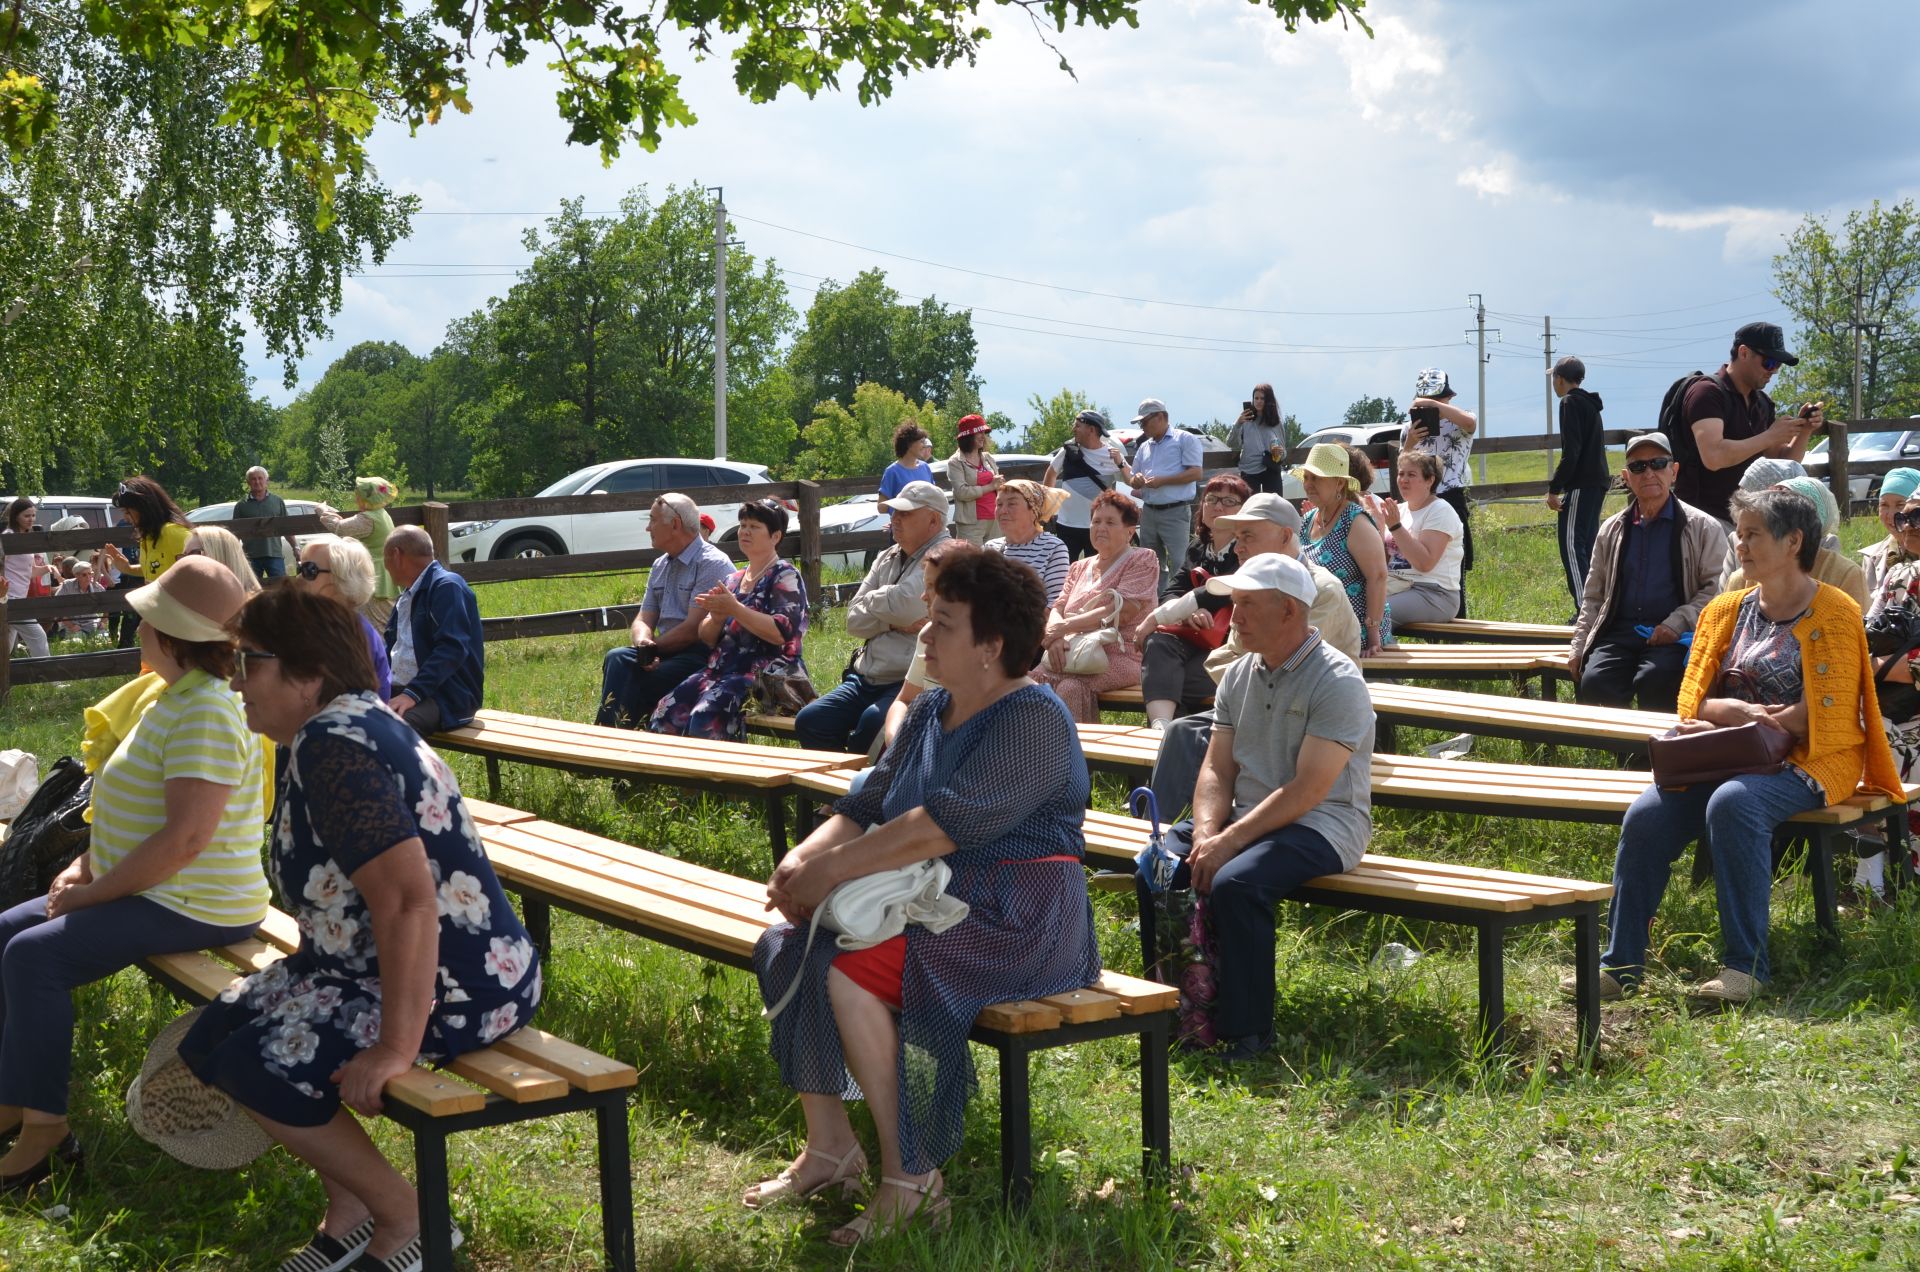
[
  {"x": 538, "y": 535},
  {"x": 1862, "y": 448},
  {"x": 224, "y": 512},
  {"x": 1364, "y": 436}
]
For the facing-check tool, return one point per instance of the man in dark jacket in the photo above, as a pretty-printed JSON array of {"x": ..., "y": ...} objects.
[
  {"x": 1580, "y": 483},
  {"x": 433, "y": 638}
]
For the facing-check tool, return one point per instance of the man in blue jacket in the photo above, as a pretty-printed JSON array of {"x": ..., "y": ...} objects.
[{"x": 433, "y": 638}]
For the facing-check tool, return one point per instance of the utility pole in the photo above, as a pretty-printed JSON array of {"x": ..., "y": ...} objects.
[
  {"x": 1546, "y": 343},
  {"x": 1858, "y": 327},
  {"x": 1479, "y": 333},
  {"x": 719, "y": 322}
]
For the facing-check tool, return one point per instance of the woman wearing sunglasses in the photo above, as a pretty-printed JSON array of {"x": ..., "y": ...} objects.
[
  {"x": 157, "y": 519},
  {"x": 342, "y": 569}
]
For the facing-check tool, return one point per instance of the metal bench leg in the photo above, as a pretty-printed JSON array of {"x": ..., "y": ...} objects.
[
  {"x": 1493, "y": 987},
  {"x": 777, "y": 825},
  {"x": 1016, "y": 1122},
  {"x": 1386, "y": 738},
  {"x": 1586, "y": 975},
  {"x": 493, "y": 778},
  {"x": 1156, "y": 1134},
  {"x": 537, "y": 917},
  {"x": 1149, "y": 930},
  {"x": 436, "y": 1200},
  {"x": 616, "y": 1182},
  {"x": 805, "y": 819},
  {"x": 1820, "y": 871}
]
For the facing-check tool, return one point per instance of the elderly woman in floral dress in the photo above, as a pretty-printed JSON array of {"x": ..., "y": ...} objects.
[{"x": 408, "y": 950}]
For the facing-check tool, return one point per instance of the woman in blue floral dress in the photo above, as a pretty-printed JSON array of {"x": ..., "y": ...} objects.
[
  {"x": 408, "y": 948},
  {"x": 756, "y": 619}
]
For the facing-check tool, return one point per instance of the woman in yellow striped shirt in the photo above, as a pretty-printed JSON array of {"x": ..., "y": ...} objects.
[{"x": 174, "y": 863}]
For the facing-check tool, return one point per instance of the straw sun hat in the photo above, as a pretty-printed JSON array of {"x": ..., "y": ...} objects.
[
  {"x": 192, "y": 601},
  {"x": 191, "y": 1121},
  {"x": 1329, "y": 459}
]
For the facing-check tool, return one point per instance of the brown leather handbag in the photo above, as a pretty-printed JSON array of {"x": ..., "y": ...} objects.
[{"x": 1682, "y": 757}]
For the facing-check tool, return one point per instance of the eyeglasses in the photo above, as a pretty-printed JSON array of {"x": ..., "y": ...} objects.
[
  {"x": 242, "y": 654},
  {"x": 1907, "y": 518},
  {"x": 309, "y": 571},
  {"x": 1637, "y": 466},
  {"x": 1225, "y": 501}
]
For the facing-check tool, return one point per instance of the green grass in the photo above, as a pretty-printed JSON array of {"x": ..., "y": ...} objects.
[{"x": 1779, "y": 1137}]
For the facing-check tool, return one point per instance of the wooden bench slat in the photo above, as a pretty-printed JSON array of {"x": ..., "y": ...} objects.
[
  {"x": 696, "y": 745},
  {"x": 587, "y": 851},
  {"x": 1021, "y": 1017},
  {"x": 1471, "y": 898},
  {"x": 1136, "y": 995},
  {"x": 729, "y": 936},
  {"x": 1491, "y": 881},
  {"x": 506, "y": 1075},
  {"x": 487, "y": 813},
  {"x": 1078, "y": 1006},
  {"x": 280, "y": 929},
  {"x": 663, "y": 767},
  {"x": 1587, "y": 889},
  {"x": 251, "y": 955},
  {"x": 588, "y": 1070}
]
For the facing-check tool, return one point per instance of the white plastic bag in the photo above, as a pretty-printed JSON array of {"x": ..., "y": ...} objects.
[{"x": 19, "y": 779}]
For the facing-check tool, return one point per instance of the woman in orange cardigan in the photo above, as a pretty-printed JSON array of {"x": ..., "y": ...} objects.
[{"x": 1789, "y": 653}]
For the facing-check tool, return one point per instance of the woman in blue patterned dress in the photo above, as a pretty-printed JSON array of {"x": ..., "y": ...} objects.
[
  {"x": 756, "y": 618},
  {"x": 408, "y": 947},
  {"x": 1339, "y": 537},
  {"x": 987, "y": 773}
]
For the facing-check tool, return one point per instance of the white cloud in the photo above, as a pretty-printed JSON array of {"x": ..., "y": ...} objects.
[
  {"x": 1751, "y": 234},
  {"x": 1493, "y": 179},
  {"x": 1399, "y": 78}
]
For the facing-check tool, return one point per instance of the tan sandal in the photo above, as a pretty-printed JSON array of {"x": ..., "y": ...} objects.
[
  {"x": 785, "y": 1186},
  {"x": 933, "y": 1209}
]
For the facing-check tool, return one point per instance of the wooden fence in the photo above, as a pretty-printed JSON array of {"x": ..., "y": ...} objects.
[{"x": 807, "y": 547}]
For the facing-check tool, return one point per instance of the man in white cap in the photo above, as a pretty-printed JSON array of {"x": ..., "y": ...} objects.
[
  {"x": 1166, "y": 473},
  {"x": 1445, "y": 431},
  {"x": 887, "y": 613},
  {"x": 1285, "y": 795}
]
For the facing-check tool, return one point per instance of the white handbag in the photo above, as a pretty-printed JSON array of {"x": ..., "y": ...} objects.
[
  {"x": 864, "y": 912},
  {"x": 1087, "y": 652}
]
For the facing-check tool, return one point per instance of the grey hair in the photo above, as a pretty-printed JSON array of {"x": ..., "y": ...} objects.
[
  {"x": 1783, "y": 512},
  {"x": 683, "y": 510},
  {"x": 352, "y": 567},
  {"x": 411, "y": 541},
  {"x": 257, "y": 469},
  {"x": 219, "y": 544}
]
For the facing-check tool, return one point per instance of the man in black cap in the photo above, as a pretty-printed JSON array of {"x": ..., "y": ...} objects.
[
  {"x": 1730, "y": 421},
  {"x": 1580, "y": 482}
]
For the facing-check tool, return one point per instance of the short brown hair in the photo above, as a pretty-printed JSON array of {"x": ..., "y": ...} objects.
[
  {"x": 1127, "y": 510},
  {"x": 906, "y": 437},
  {"x": 1006, "y": 599},
  {"x": 313, "y": 636},
  {"x": 215, "y": 657}
]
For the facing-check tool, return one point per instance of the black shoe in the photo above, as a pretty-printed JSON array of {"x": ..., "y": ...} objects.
[
  {"x": 67, "y": 1153},
  {"x": 1241, "y": 1050}
]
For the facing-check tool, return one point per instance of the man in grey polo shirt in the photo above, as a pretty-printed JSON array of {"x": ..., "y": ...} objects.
[
  {"x": 1166, "y": 472},
  {"x": 664, "y": 646},
  {"x": 1285, "y": 795}
]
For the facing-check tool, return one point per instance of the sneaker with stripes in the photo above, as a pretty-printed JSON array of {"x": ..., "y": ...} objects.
[{"x": 331, "y": 1254}]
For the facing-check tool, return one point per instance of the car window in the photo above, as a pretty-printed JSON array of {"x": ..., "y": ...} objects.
[
  {"x": 568, "y": 485},
  {"x": 631, "y": 478},
  {"x": 682, "y": 476}
]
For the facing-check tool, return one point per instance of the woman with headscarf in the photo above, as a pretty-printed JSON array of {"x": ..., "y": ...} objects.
[
  {"x": 1023, "y": 508},
  {"x": 1877, "y": 559},
  {"x": 371, "y": 525},
  {"x": 1830, "y": 565}
]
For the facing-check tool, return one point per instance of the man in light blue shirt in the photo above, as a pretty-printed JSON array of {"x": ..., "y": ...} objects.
[
  {"x": 1166, "y": 473},
  {"x": 666, "y": 647}
]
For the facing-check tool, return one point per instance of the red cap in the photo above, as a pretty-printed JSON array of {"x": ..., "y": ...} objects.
[
  {"x": 706, "y": 523},
  {"x": 971, "y": 424}
]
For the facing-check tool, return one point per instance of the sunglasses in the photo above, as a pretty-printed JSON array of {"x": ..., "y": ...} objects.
[
  {"x": 242, "y": 654},
  {"x": 187, "y": 552},
  {"x": 1907, "y": 518},
  {"x": 1771, "y": 364},
  {"x": 309, "y": 571},
  {"x": 1659, "y": 465}
]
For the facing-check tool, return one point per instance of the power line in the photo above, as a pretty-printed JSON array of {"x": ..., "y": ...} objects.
[{"x": 1651, "y": 313}]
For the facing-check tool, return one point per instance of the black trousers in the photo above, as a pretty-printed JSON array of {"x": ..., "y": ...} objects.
[
  {"x": 1625, "y": 671},
  {"x": 1457, "y": 499},
  {"x": 1579, "y": 525}
]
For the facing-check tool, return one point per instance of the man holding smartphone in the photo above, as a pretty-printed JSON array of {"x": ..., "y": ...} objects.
[
  {"x": 1731, "y": 421},
  {"x": 1443, "y": 430}
]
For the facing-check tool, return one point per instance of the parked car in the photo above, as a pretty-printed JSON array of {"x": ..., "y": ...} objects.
[
  {"x": 97, "y": 512},
  {"x": 1129, "y": 438},
  {"x": 1365, "y": 436},
  {"x": 549, "y": 535},
  {"x": 1863, "y": 448},
  {"x": 224, "y": 512}
]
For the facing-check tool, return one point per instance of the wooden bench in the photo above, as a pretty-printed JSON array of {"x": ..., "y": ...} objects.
[
  {"x": 1544, "y": 664},
  {"x": 727, "y": 768},
  {"x": 1480, "y": 631},
  {"x": 1492, "y": 902},
  {"x": 1523, "y": 719},
  {"x": 718, "y": 916},
  {"x": 528, "y": 1074}
]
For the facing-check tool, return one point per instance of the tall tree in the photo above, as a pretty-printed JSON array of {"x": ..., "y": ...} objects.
[
  {"x": 1369, "y": 410},
  {"x": 139, "y": 231},
  {"x": 1052, "y": 425},
  {"x": 604, "y": 348},
  {"x": 324, "y": 73},
  {"x": 1873, "y": 262},
  {"x": 863, "y": 333},
  {"x": 857, "y": 441}
]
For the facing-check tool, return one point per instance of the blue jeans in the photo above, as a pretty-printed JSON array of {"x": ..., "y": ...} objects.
[
  {"x": 268, "y": 568},
  {"x": 42, "y": 961},
  {"x": 1245, "y": 892},
  {"x": 629, "y": 692},
  {"x": 1738, "y": 817},
  {"x": 848, "y": 718}
]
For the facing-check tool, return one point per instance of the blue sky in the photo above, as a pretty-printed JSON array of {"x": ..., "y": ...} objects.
[{"x": 1310, "y": 210}]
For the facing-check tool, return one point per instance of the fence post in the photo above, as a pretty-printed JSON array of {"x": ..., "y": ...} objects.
[
  {"x": 6, "y": 655},
  {"x": 809, "y": 501},
  {"x": 434, "y": 517},
  {"x": 1837, "y": 467}
]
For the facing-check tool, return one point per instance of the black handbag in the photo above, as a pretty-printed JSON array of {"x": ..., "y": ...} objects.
[
  {"x": 47, "y": 835},
  {"x": 1894, "y": 629}
]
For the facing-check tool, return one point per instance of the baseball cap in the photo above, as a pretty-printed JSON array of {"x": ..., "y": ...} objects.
[
  {"x": 913, "y": 495},
  {"x": 1095, "y": 418},
  {"x": 1150, "y": 406},
  {"x": 1263, "y": 507},
  {"x": 1268, "y": 572},
  {"x": 1570, "y": 369},
  {"x": 1649, "y": 439},
  {"x": 1766, "y": 340}
]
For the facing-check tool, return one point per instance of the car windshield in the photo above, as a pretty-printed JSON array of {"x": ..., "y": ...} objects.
[{"x": 569, "y": 484}]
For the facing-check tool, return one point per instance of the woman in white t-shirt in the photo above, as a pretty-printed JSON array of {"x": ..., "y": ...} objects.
[{"x": 1423, "y": 546}]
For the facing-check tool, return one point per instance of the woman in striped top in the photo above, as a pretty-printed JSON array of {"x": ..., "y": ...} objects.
[
  {"x": 174, "y": 863},
  {"x": 1023, "y": 507}
]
